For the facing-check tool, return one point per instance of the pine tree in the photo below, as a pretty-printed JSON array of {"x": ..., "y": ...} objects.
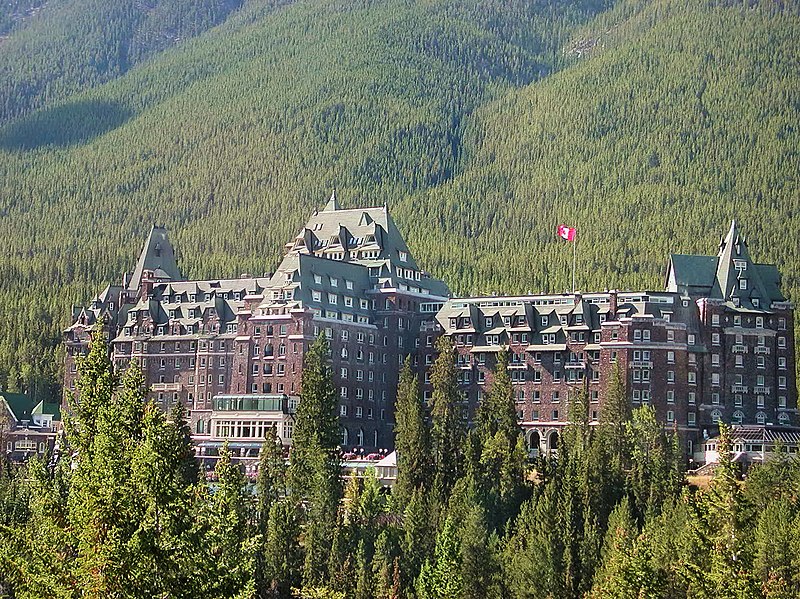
[
  {"x": 723, "y": 567},
  {"x": 411, "y": 438},
  {"x": 96, "y": 384},
  {"x": 479, "y": 568},
  {"x": 271, "y": 480},
  {"x": 229, "y": 550},
  {"x": 283, "y": 556},
  {"x": 503, "y": 453},
  {"x": 441, "y": 578},
  {"x": 418, "y": 535},
  {"x": 627, "y": 569},
  {"x": 314, "y": 461},
  {"x": 448, "y": 425}
]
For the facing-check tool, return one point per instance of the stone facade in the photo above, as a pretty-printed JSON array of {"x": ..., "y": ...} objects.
[
  {"x": 348, "y": 274},
  {"x": 717, "y": 345}
]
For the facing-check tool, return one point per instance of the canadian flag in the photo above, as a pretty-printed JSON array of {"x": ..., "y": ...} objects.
[{"x": 566, "y": 232}]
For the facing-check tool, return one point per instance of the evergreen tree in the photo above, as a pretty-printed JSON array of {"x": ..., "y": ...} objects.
[
  {"x": 314, "y": 461},
  {"x": 229, "y": 550},
  {"x": 441, "y": 578},
  {"x": 479, "y": 567},
  {"x": 283, "y": 556},
  {"x": 627, "y": 569},
  {"x": 96, "y": 384},
  {"x": 418, "y": 536},
  {"x": 448, "y": 430},
  {"x": 503, "y": 454},
  {"x": 411, "y": 438},
  {"x": 271, "y": 480}
]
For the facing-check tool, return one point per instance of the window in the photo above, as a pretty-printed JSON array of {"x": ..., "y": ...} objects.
[
  {"x": 782, "y": 342},
  {"x": 781, "y": 382},
  {"x": 759, "y": 322},
  {"x": 716, "y": 416},
  {"x": 692, "y": 397},
  {"x": 670, "y": 396},
  {"x": 670, "y": 416},
  {"x": 690, "y": 339},
  {"x": 715, "y": 359},
  {"x": 691, "y": 418},
  {"x": 670, "y": 357},
  {"x": 761, "y": 418},
  {"x": 715, "y": 338},
  {"x": 692, "y": 378},
  {"x": 670, "y": 376}
]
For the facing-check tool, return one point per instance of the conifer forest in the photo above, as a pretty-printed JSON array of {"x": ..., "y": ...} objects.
[
  {"x": 483, "y": 124},
  {"x": 127, "y": 512}
]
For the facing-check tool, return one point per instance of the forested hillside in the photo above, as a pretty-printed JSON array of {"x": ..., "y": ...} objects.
[{"x": 483, "y": 124}]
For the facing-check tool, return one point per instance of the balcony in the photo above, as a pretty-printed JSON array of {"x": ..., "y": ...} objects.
[
  {"x": 739, "y": 349},
  {"x": 739, "y": 388},
  {"x": 464, "y": 366},
  {"x": 166, "y": 387},
  {"x": 761, "y": 349},
  {"x": 762, "y": 390},
  {"x": 576, "y": 365},
  {"x": 641, "y": 364}
]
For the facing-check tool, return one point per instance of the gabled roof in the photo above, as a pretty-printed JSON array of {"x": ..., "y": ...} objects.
[
  {"x": 19, "y": 405},
  {"x": 720, "y": 277},
  {"x": 157, "y": 255}
]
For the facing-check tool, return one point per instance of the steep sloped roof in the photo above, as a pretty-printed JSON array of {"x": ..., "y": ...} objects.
[{"x": 157, "y": 255}]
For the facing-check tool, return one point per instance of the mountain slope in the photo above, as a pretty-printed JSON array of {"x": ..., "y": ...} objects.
[
  {"x": 648, "y": 124},
  {"x": 231, "y": 138}
]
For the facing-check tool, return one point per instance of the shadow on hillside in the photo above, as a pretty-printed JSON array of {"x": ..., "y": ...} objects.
[{"x": 66, "y": 125}]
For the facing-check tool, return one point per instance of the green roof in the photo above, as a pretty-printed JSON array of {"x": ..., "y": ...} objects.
[{"x": 21, "y": 405}]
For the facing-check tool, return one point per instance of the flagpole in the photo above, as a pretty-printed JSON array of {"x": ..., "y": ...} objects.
[{"x": 574, "y": 254}]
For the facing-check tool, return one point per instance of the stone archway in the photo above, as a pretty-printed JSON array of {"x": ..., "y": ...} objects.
[
  {"x": 534, "y": 442},
  {"x": 552, "y": 441}
]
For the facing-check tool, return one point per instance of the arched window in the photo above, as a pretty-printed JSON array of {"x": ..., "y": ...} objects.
[
  {"x": 783, "y": 418},
  {"x": 716, "y": 416},
  {"x": 344, "y": 353},
  {"x": 268, "y": 349},
  {"x": 761, "y": 417},
  {"x": 738, "y": 416},
  {"x": 360, "y": 440},
  {"x": 552, "y": 441},
  {"x": 345, "y": 436},
  {"x": 534, "y": 441}
]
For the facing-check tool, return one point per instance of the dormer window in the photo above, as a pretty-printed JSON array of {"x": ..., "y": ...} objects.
[
  {"x": 318, "y": 279},
  {"x": 403, "y": 257},
  {"x": 742, "y": 283},
  {"x": 334, "y": 282}
]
